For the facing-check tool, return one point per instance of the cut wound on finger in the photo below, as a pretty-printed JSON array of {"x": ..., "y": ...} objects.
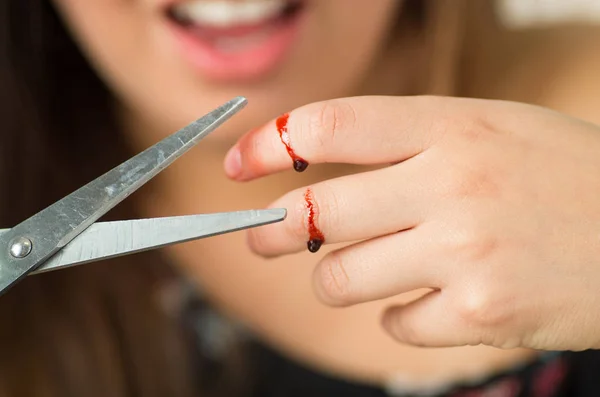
[
  {"x": 298, "y": 162},
  {"x": 360, "y": 130},
  {"x": 345, "y": 209},
  {"x": 315, "y": 236}
]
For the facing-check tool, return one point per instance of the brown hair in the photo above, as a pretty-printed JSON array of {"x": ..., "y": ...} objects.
[
  {"x": 99, "y": 330},
  {"x": 90, "y": 331}
]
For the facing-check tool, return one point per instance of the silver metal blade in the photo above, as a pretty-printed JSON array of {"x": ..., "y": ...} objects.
[
  {"x": 104, "y": 240},
  {"x": 54, "y": 227}
]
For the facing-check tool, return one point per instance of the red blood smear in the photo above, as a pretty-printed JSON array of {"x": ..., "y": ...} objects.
[
  {"x": 316, "y": 238},
  {"x": 299, "y": 163}
]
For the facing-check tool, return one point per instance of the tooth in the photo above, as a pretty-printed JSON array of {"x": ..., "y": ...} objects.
[
  {"x": 256, "y": 11},
  {"x": 222, "y": 13}
]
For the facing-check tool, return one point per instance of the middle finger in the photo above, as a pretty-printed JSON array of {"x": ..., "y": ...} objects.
[{"x": 349, "y": 208}]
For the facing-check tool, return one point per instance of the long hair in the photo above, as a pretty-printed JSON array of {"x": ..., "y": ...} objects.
[
  {"x": 92, "y": 331},
  {"x": 96, "y": 330}
]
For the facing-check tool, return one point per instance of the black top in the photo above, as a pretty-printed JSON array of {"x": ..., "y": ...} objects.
[
  {"x": 559, "y": 375},
  {"x": 566, "y": 374}
]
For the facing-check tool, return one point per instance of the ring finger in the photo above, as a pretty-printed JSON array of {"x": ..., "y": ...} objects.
[{"x": 379, "y": 268}]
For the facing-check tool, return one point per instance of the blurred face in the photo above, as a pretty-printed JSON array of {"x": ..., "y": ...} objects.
[{"x": 173, "y": 60}]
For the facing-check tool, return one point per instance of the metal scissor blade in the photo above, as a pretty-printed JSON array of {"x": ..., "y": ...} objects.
[
  {"x": 104, "y": 240},
  {"x": 54, "y": 227}
]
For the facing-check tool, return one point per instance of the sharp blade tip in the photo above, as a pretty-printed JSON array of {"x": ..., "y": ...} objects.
[
  {"x": 242, "y": 100},
  {"x": 281, "y": 213},
  {"x": 237, "y": 103},
  {"x": 276, "y": 214},
  {"x": 223, "y": 112}
]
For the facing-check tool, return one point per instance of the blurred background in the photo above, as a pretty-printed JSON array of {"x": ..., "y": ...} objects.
[{"x": 526, "y": 13}]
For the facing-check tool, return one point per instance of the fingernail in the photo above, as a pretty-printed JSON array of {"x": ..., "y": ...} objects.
[{"x": 233, "y": 162}]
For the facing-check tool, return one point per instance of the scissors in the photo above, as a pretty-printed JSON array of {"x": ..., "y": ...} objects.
[{"x": 64, "y": 234}]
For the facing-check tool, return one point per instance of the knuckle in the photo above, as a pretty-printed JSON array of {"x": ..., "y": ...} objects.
[
  {"x": 470, "y": 129},
  {"x": 474, "y": 127},
  {"x": 469, "y": 123},
  {"x": 472, "y": 181},
  {"x": 474, "y": 245},
  {"x": 327, "y": 119},
  {"x": 335, "y": 286},
  {"x": 476, "y": 309},
  {"x": 483, "y": 310},
  {"x": 454, "y": 119}
]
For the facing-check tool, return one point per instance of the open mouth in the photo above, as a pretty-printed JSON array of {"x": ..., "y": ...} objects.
[{"x": 236, "y": 39}]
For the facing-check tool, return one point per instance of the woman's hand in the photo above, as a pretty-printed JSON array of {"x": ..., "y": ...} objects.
[{"x": 494, "y": 206}]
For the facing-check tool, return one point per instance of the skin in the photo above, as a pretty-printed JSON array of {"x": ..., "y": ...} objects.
[
  {"x": 483, "y": 193},
  {"x": 132, "y": 49},
  {"x": 482, "y": 181}
]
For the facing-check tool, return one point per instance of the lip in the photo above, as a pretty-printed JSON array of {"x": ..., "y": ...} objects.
[{"x": 251, "y": 63}]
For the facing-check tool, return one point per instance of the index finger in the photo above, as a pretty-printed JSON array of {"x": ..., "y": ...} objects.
[{"x": 359, "y": 130}]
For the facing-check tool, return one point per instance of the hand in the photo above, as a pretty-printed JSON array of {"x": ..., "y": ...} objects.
[{"x": 493, "y": 206}]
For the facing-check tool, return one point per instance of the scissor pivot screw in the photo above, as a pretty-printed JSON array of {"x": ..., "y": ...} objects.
[{"x": 20, "y": 247}]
